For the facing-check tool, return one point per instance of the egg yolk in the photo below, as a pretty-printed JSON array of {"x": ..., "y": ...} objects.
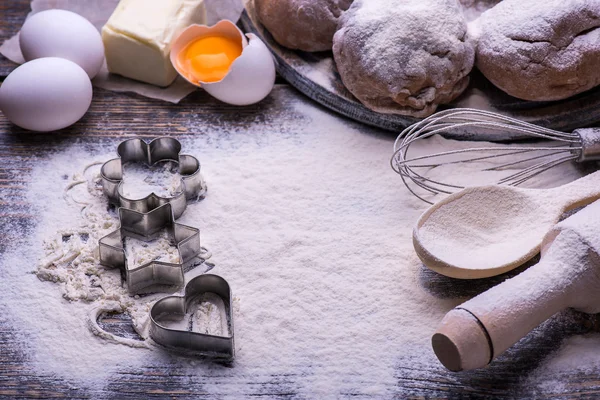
[{"x": 208, "y": 59}]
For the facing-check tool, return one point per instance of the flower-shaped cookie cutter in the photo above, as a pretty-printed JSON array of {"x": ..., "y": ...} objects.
[
  {"x": 147, "y": 227},
  {"x": 176, "y": 307},
  {"x": 160, "y": 149}
]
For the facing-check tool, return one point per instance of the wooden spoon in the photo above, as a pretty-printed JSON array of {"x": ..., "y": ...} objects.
[
  {"x": 568, "y": 275},
  {"x": 488, "y": 230}
]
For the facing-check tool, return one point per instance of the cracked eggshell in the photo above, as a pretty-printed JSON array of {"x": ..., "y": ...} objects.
[{"x": 251, "y": 76}]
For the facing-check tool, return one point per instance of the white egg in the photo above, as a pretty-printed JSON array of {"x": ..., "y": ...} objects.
[
  {"x": 46, "y": 94},
  {"x": 251, "y": 76},
  {"x": 64, "y": 34}
]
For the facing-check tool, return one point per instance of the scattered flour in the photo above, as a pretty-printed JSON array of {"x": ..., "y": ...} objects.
[
  {"x": 71, "y": 255},
  {"x": 486, "y": 229},
  {"x": 577, "y": 354},
  {"x": 309, "y": 226},
  {"x": 140, "y": 180},
  {"x": 322, "y": 73},
  {"x": 139, "y": 252},
  {"x": 206, "y": 315}
]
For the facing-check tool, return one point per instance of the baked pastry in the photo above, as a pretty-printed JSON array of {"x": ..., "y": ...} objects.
[
  {"x": 404, "y": 57},
  {"x": 541, "y": 49},
  {"x": 306, "y": 25}
]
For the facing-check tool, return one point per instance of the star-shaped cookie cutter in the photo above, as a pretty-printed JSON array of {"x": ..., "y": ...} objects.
[
  {"x": 146, "y": 227},
  {"x": 160, "y": 149},
  {"x": 188, "y": 342}
]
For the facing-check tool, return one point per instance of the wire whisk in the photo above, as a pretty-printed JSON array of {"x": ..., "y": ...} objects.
[{"x": 528, "y": 159}]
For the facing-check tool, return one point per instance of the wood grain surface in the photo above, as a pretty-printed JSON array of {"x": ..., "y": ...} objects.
[{"x": 115, "y": 116}]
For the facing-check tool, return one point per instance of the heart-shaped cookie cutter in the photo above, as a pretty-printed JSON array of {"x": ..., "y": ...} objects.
[
  {"x": 160, "y": 149},
  {"x": 194, "y": 343},
  {"x": 146, "y": 227}
]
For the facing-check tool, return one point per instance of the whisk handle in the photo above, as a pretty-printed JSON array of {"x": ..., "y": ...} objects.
[{"x": 590, "y": 144}]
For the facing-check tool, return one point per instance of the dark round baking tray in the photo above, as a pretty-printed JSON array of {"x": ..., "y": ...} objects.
[{"x": 315, "y": 75}]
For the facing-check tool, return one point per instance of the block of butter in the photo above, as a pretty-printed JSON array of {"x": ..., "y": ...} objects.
[{"x": 137, "y": 37}]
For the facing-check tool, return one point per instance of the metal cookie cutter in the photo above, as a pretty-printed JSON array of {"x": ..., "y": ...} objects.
[
  {"x": 161, "y": 149},
  {"x": 175, "y": 307},
  {"x": 146, "y": 227}
]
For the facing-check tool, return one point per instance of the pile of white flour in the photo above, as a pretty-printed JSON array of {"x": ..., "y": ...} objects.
[{"x": 308, "y": 224}]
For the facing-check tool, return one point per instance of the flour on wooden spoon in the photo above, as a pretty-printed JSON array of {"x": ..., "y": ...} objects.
[
  {"x": 485, "y": 229},
  {"x": 489, "y": 230}
]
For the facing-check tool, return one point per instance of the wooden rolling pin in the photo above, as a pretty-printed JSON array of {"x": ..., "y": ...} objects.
[{"x": 568, "y": 275}]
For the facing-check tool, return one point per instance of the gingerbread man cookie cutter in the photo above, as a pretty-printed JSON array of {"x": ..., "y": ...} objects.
[
  {"x": 147, "y": 227},
  {"x": 161, "y": 149}
]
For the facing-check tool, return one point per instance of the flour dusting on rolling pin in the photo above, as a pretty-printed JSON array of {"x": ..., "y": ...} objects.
[{"x": 568, "y": 275}]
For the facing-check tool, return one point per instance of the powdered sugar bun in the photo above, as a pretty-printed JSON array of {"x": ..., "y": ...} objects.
[
  {"x": 306, "y": 25},
  {"x": 541, "y": 49},
  {"x": 404, "y": 57}
]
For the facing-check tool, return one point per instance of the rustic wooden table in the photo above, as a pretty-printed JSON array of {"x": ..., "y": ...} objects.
[{"x": 18, "y": 151}]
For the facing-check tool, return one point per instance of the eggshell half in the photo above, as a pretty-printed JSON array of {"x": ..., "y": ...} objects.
[
  {"x": 251, "y": 76},
  {"x": 193, "y": 32},
  {"x": 250, "y": 79},
  {"x": 46, "y": 94}
]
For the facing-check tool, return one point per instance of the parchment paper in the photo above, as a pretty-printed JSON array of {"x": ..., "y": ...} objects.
[{"x": 98, "y": 12}]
